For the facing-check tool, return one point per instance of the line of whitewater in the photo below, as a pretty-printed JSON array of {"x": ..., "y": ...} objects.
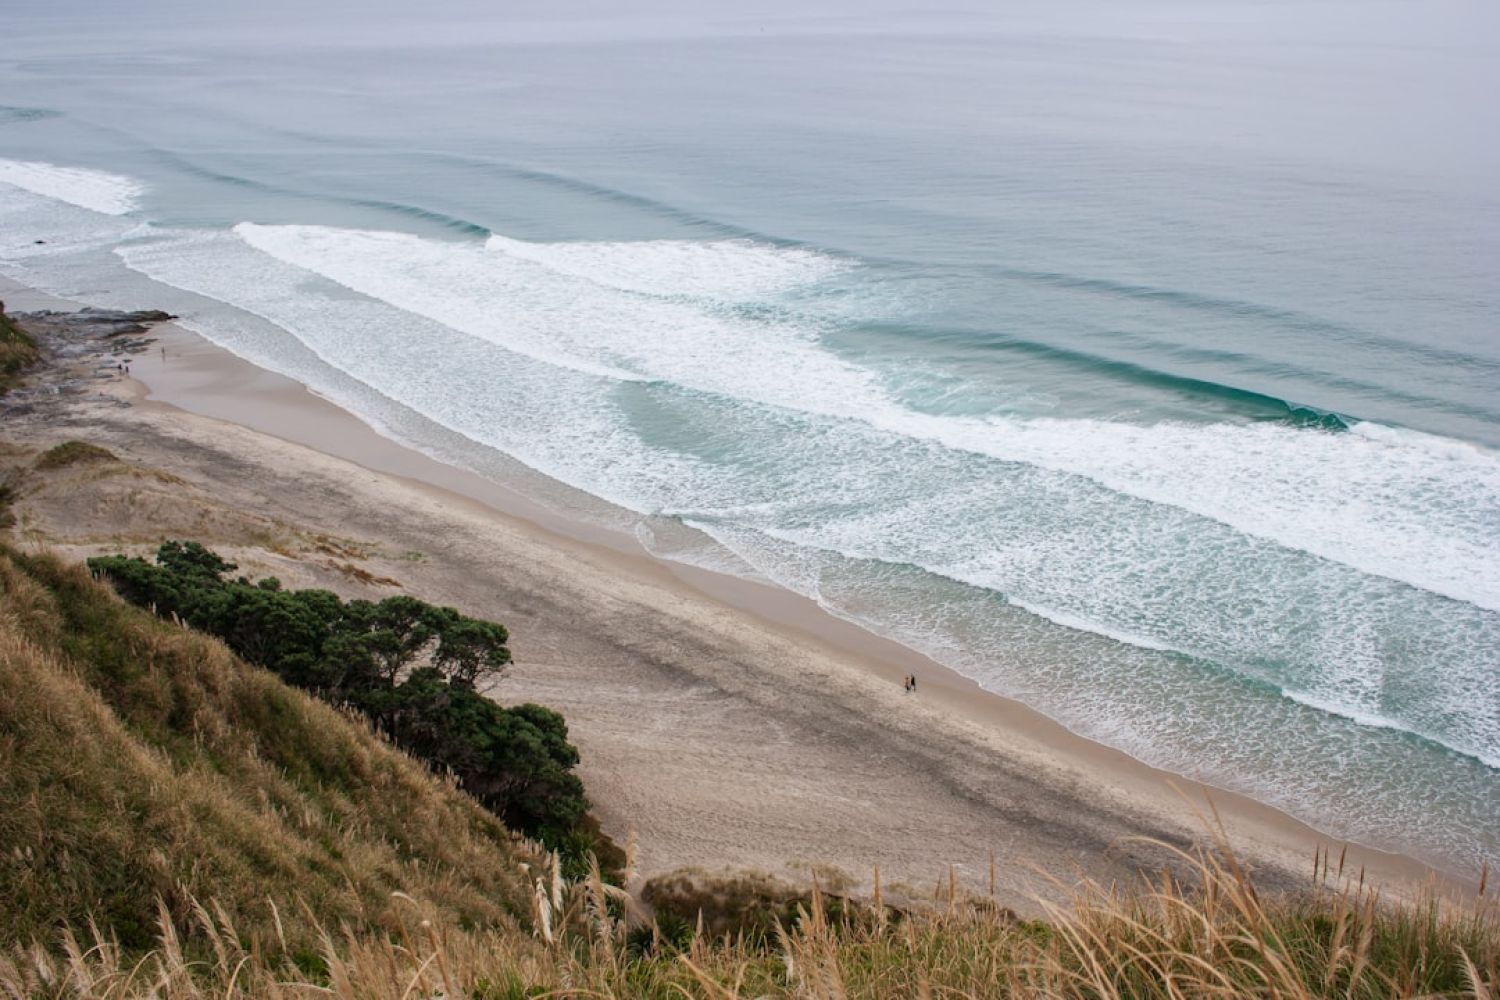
[
  {"x": 95, "y": 190},
  {"x": 1046, "y": 443}
]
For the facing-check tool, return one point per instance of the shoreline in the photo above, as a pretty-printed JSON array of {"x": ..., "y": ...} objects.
[{"x": 194, "y": 379}]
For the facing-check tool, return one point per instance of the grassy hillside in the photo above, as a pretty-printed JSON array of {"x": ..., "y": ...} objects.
[
  {"x": 295, "y": 854},
  {"x": 409, "y": 667},
  {"x": 139, "y": 760},
  {"x": 17, "y": 352}
]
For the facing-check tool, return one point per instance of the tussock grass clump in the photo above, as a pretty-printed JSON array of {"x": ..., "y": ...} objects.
[
  {"x": 18, "y": 351},
  {"x": 73, "y": 453},
  {"x": 143, "y": 768},
  {"x": 748, "y": 904}
]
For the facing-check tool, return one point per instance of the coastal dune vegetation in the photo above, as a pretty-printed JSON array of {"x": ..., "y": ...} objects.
[
  {"x": 18, "y": 351},
  {"x": 181, "y": 823}
]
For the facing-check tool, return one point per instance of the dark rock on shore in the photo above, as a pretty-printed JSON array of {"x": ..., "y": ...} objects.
[
  {"x": 81, "y": 347},
  {"x": 92, "y": 322}
]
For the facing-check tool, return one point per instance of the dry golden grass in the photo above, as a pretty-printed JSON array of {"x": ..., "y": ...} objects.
[
  {"x": 178, "y": 825},
  {"x": 361, "y": 575},
  {"x": 1217, "y": 941},
  {"x": 141, "y": 761}
]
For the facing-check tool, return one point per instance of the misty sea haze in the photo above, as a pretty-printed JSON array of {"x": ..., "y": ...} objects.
[{"x": 1138, "y": 360}]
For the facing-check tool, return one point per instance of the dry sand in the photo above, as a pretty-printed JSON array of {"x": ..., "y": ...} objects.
[{"x": 725, "y": 723}]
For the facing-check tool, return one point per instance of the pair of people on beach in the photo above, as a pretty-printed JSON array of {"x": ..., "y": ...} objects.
[{"x": 909, "y": 682}]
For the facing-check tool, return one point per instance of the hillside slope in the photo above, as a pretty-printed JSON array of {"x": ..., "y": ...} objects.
[{"x": 141, "y": 760}]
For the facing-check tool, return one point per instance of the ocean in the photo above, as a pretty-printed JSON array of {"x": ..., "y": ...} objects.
[{"x": 1138, "y": 360}]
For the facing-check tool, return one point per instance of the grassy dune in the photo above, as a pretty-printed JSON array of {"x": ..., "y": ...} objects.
[
  {"x": 178, "y": 824},
  {"x": 142, "y": 762}
]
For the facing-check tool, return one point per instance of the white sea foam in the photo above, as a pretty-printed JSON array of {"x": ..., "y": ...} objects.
[
  {"x": 555, "y": 419},
  {"x": 1373, "y": 720},
  {"x": 1383, "y": 502},
  {"x": 727, "y": 270},
  {"x": 1394, "y": 504},
  {"x": 110, "y": 194},
  {"x": 1080, "y": 624},
  {"x": 35, "y": 229},
  {"x": 556, "y": 316},
  {"x": 1267, "y": 548},
  {"x": 1441, "y": 447}
]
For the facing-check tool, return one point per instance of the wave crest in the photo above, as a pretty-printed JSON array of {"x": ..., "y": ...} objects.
[{"x": 95, "y": 190}]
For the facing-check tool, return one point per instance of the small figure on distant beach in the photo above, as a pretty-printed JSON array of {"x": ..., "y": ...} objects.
[{"x": 909, "y": 683}]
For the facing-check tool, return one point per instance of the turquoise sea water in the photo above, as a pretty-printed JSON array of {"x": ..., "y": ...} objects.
[{"x": 1138, "y": 360}]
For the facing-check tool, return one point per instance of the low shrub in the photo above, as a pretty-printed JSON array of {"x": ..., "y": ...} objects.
[{"x": 73, "y": 453}]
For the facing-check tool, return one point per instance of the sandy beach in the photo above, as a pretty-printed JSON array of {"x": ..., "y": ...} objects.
[{"x": 722, "y": 722}]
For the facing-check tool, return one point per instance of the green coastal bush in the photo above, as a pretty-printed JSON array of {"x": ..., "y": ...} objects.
[{"x": 409, "y": 666}]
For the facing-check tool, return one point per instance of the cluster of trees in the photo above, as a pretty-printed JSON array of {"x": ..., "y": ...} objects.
[{"x": 410, "y": 667}]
